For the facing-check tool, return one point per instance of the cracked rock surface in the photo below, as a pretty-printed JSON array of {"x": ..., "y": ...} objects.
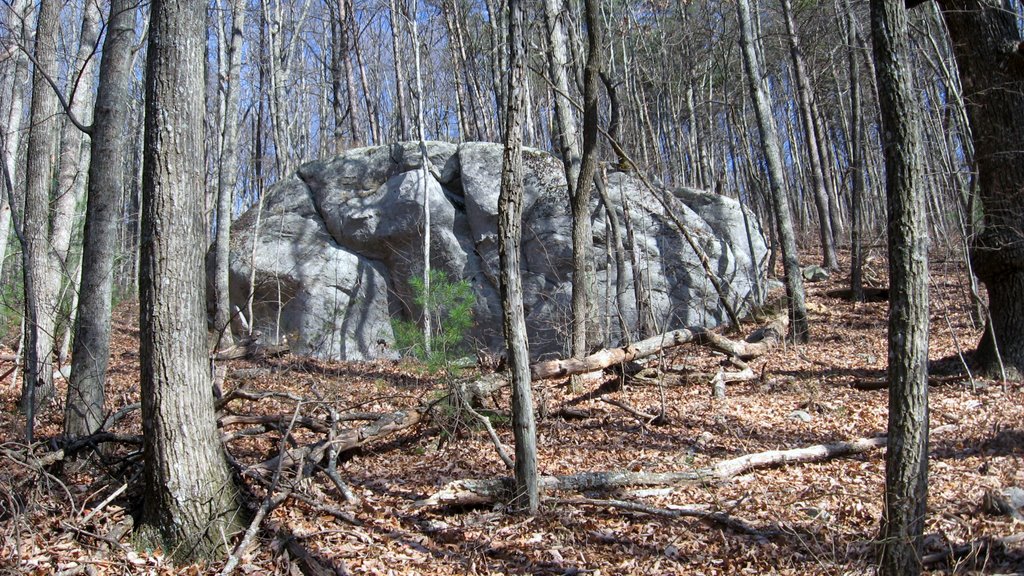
[{"x": 334, "y": 247}]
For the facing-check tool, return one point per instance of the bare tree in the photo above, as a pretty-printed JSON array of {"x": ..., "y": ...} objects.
[
  {"x": 510, "y": 222},
  {"x": 227, "y": 168},
  {"x": 770, "y": 144},
  {"x": 40, "y": 271},
  {"x": 191, "y": 503},
  {"x": 805, "y": 96},
  {"x": 91, "y": 353},
  {"x": 906, "y": 460}
]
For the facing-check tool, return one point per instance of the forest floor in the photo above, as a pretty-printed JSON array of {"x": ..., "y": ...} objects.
[{"x": 811, "y": 518}]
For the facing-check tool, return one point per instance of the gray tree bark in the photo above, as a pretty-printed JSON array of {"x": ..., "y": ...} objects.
[
  {"x": 91, "y": 352},
  {"x": 510, "y": 222},
  {"x": 40, "y": 270},
  {"x": 798, "y": 327},
  {"x": 856, "y": 132},
  {"x": 986, "y": 43},
  {"x": 804, "y": 98},
  {"x": 906, "y": 460},
  {"x": 191, "y": 503},
  {"x": 580, "y": 200},
  {"x": 20, "y": 12},
  {"x": 227, "y": 174}
]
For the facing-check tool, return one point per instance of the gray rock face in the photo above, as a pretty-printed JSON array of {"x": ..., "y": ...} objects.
[{"x": 334, "y": 249}]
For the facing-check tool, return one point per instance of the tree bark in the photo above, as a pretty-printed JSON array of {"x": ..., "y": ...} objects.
[
  {"x": 91, "y": 353},
  {"x": 227, "y": 174},
  {"x": 20, "y": 10},
  {"x": 401, "y": 109},
  {"x": 856, "y": 132},
  {"x": 580, "y": 199},
  {"x": 40, "y": 271},
  {"x": 526, "y": 496},
  {"x": 798, "y": 327},
  {"x": 987, "y": 46},
  {"x": 805, "y": 96},
  {"x": 191, "y": 503},
  {"x": 906, "y": 461}
]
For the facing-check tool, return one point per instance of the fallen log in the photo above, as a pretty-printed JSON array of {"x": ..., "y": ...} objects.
[
  {"x": 490, "y": 490},
  {"x": 612, "y": 356},
  {"x": 757, "y": 344}
]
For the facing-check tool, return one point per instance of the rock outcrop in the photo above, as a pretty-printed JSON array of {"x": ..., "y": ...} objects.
[{"x": 333, "y": 248}]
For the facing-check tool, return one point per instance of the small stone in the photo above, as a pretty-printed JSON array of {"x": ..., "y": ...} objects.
[{"x": 801, "y": 415}]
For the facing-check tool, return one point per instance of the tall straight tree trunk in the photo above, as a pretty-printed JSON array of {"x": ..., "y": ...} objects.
[
  {"x": 401, "y": 113},
  {"x": 798, "y": 327},
  {"x": 191, "y": 504},
  {"x": 40, "y": 271},
  {"x": 564, "y": 128},
  {"x": 74, "y": 149},
  {"x": 580, "y": 200},
  {"x": 428, "y": 331},
  {"x": 856, "y": 132},
  {"x": 510, "y": 223},
  {"x": 805, "y": 95},
  {"x": 20, "y": 10},
  {"x": 227, "y": 174},
  {"x": 906, "y": 460},
  {"x": 89, "y": 358},
  {"x": 986, "y": 38}
]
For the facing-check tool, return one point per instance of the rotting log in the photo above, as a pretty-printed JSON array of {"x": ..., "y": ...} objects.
[{"x": 490, "y": 490}]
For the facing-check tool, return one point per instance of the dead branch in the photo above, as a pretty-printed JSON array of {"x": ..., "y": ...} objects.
[
  {"x": 710, "y": 516},
  {"x": 345, "y": 440},
  {"x": 722, "y": 378},
  {"x": 308, "y": 563},
  {"x": 275, "y": 421},
  {"x": 490, "y": 490},
  {"x": 641, "y": 416},
  {"x": 502, "y": 452},
  {"x": 883, "y": 383},
  {"x": 976, "y": 550}
]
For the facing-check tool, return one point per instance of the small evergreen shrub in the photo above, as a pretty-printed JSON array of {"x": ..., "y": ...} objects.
[{"x": 450, "y": 305}]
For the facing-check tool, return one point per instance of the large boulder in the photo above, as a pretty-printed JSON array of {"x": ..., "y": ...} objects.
[{"x": 329, "y": 257}]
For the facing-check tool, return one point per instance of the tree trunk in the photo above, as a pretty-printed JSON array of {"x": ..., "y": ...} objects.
[
  {"x": 510, "y": 222},
  {"x": 40, "y": 271},
  {"x": 906, "y": 460},
  {"x": 564, "y": 126},
  {"x": 580, "y": 199},
  {"x": 856, "y": 136},
  {"x": 74, "y": 149},
  {"x": 401, "y": 114},
  {"x": 428, "y": 331},
  {"x": 84, "y": 408},
  {"x": 805, "y": 96},
  {"x": 227, "y": 174},
  {"x": 20, "y": 10},
  {"x": 770, "y": 144},
  {"x": 986, "y": 43},
  {"x": 191, "y": 503}
]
